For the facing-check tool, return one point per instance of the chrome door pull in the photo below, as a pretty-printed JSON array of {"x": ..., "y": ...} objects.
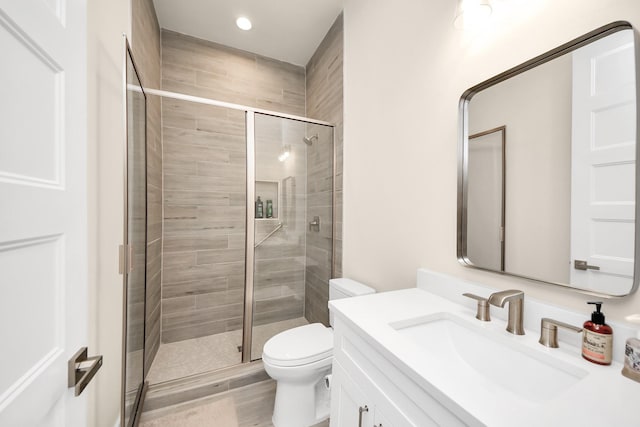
[
  {"x": 82, "y": 369},
  {"x": 362, "y": 410},
  {"x": 582, "y": 265}
]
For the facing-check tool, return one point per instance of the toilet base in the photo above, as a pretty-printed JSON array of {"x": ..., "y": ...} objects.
[
  {"x": 298, "y": 405},
  {"x": 301, "y": 402}
]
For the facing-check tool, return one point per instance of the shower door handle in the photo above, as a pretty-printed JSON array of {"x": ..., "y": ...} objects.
[{"x": 125, "y": 259}]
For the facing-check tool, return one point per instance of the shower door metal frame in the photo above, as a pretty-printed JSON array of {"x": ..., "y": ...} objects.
[
  {"x": 250, "y": 237},
  {"x": 125, "y": 261},
  {"x": 250, "y": 113}
]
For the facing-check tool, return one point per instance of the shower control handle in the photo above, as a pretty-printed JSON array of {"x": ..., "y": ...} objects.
[{"x": 315, "y": 224}]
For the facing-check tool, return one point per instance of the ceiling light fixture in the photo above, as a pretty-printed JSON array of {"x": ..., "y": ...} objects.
[
  {"x": 470, "y": 13},
  {"x": 243, "y": 23}
]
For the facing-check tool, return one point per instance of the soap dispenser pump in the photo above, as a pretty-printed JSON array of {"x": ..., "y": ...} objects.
[{"x": 597, "y": 338}]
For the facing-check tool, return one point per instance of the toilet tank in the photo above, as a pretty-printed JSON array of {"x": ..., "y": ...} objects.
[{"x": 345, "y": 288}]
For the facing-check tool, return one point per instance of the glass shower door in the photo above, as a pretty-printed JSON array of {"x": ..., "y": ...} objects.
[
  {"x": 135, "y": 245},
  {"x": 293, "y": 223}
]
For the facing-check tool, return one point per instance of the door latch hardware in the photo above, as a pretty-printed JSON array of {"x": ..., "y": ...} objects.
[
  {"x": 582, "y": 265},
  {"x": 82, "y": 369}
]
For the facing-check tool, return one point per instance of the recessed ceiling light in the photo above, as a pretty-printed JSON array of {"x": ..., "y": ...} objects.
[
  {"x": 243, "y": 23},
  {"x": 471, "y": 13}
]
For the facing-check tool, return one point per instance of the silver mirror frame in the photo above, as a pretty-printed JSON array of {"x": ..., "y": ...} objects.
[{"x": 463, "y": 138}]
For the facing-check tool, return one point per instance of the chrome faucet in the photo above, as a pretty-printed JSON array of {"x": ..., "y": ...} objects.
[{"x": 515, "y": 298}]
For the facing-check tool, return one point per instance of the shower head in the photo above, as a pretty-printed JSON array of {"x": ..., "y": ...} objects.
[{"x": 309, "y": 139}]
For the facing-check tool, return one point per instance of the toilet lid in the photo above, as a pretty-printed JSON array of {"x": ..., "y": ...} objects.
[{"x": 299, "y": 346}]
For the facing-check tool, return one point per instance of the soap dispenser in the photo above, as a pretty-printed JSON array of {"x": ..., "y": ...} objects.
[{"x": 597, "y": 338}]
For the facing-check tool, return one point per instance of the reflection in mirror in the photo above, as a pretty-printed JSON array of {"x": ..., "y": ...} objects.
[
  {"x": 485, "y": 205},
  {"x": 555, "y": 200}
]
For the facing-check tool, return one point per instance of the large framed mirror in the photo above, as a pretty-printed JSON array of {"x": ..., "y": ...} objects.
[{"x": 547, "y": 167}]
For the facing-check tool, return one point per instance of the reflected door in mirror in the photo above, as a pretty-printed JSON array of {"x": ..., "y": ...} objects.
[
  {"x": 603, "y": 164},
  {"x": 485, "y": 204}
]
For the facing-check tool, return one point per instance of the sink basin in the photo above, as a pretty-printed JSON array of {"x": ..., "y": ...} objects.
[{"x": 471, "y": 349}]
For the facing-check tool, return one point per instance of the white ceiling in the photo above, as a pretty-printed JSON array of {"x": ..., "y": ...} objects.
[{"x": 288, "y": 30}]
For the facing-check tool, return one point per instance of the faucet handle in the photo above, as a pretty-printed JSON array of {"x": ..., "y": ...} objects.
[
  {"x": 483, "y": 312},
  {"x": 549, "y": 331}
]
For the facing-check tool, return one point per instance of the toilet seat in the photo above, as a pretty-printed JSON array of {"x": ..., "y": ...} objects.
[{"x": 299, "y": 346}]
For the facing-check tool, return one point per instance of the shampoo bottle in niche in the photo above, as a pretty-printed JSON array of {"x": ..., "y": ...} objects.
[
  {"x": 597, "y": 338},
  {"x": 269, "y": 208},
  {"x": 259, "y": 208}
]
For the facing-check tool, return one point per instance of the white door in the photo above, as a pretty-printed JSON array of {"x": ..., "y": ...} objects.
[
  {"x": 43, "y": 237},
  {"x": 603, "y": 164}
]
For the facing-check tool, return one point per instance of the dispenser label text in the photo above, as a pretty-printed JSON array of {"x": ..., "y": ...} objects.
[{"x": 597, "y": 347}]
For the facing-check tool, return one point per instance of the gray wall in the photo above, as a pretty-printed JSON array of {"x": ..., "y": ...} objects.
[
  {"x": 324, "y": 102},
  {"x": 146, "y": 50},
  {"x": 204, "y": 198}
]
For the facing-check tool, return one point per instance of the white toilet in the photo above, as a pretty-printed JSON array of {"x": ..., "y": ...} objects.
[{"x": 299, "y": 359}]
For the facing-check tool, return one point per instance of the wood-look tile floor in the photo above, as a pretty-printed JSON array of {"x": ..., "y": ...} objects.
[
  {"x": 189, "y": 357},
  {"x": 250, "y": 406}
]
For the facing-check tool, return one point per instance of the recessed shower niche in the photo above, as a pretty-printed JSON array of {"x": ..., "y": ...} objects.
[{"x": 269, "y": 194}]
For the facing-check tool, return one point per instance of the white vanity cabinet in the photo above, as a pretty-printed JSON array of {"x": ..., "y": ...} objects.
[
  {"x": 419, "y": 357},
  {"x": 364, "y": 378},
  {"x": 355, "y": 407}
]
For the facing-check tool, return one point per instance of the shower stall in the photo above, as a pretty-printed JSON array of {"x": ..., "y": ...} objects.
[{"x": 248, "y": 212}]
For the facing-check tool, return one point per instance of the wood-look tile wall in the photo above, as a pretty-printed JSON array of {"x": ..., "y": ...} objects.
[
  {"x": 136, "y": 223},
  {"x": 324, "y": 102},
  {"x": 146, "y": 50},
  {"x": 204, "y": 220},
  {"x": 204, "y": 182},
  {"x": 201, "y": 68}
]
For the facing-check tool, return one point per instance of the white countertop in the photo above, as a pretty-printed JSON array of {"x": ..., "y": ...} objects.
[{"x": 603, "y": 398}]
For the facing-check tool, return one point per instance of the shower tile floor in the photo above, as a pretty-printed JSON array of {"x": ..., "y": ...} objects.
[{"x": 189, "y": 357}]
